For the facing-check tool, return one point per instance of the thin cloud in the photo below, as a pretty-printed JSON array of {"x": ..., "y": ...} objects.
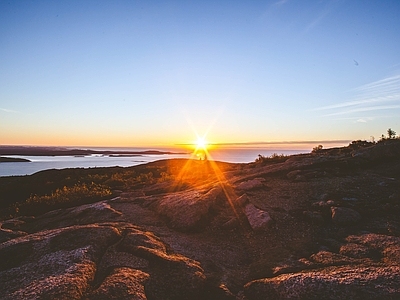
[
  {"x": 361, "y": 121},
  {"x": 362, "y": 101},
  {"x": 362, "y": 109},
  {"x": 385, "y": 83},
  {"x": 394, "y": 66},
  {"x": 280, "y": 2},
  {"x": 379, "y": 95},
  {"x": 329, "y": 6},
  {"x": 9, "y": 110},
  {"x": 315, "y": 22}
]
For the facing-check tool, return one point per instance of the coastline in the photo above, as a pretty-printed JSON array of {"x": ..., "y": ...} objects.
[
  {"x": 57, "y": 151},
  {"x": 40, "y": 163}
]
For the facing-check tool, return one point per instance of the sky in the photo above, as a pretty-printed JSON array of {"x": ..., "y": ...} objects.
[{"x": 160, "y": 73}]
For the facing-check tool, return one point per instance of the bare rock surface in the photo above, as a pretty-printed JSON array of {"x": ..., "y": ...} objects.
[
  {"x": 188, "y": 210},
  {"x": 251, "y": 184},
  {"x": 332, "y": 283},
  {"x": 316, "y": 226},
  {"x": 258, "y": 219}
]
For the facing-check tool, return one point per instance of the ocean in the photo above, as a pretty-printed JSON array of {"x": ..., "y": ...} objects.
[{"x": 40, "y": 163}]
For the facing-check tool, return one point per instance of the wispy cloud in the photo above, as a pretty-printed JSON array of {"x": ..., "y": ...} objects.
[
  {"x": 379, "y": 95},
  {"x": 363, "y": 109},
  {"x": 280, "y": 2},
  {"x": 316, "y": 21},
  {"x": 9, "y": 110},
  {"x": 361, "y": 121},
  {"x": 385, "y": 84}
]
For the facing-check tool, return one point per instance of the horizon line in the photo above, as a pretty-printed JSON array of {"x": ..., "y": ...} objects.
[
  {"x": 271, "y": 143},
  {"x": 307, "y": 142}
]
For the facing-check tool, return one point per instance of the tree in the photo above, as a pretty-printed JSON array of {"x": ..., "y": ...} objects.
[
  {"x": 391, "y": 133},
  {"x": 317, "y": 149}
]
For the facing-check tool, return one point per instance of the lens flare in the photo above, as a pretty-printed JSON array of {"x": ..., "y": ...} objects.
[{"x": 201, "y": 143}]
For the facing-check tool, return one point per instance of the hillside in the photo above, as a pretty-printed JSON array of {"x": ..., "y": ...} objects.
[{"x": 324, "y": 225}]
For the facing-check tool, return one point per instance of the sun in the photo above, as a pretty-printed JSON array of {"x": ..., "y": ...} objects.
[{"x": 201, "y": 143}]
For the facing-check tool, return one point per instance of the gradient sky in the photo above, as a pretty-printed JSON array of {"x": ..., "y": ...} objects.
[{"x": 145, "y": 73}]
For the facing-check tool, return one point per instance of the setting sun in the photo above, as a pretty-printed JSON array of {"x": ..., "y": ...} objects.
[{"x": 201, "y": 143}]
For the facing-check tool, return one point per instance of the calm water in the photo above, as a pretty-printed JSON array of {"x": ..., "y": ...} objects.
[{"x": 39, "y": 163}]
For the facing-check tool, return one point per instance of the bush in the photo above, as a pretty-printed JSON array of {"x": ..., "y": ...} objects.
[
  {"x": 317, "y": 149},
  {"x": 80, "y": 193},
  {"x": 274, "y": 158}
]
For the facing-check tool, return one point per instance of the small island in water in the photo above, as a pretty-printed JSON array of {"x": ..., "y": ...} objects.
[{"x": 13, "y": 159}]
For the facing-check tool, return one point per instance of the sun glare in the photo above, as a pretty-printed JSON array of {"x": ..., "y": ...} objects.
[{"x": 201, "y": 143}]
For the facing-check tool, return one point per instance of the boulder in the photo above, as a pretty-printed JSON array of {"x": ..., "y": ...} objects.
[
  {"x": 103, "y": 261},
  {"x": 122, "y": 283},
  {"x": 81, "y": 215},
  {"x": 327, "y": 258},
  {"x": 331, "y": 283},
  {"x": 258, "y": 219},
  {"x": 388, "y": 247},
  {"x": 53, "y": 264},
  {"x": 354, "y": 250},
  {"x": 188, "y": 211},
  {"x": 344, "y": 216},
  {"x": 251, "y": 184}
]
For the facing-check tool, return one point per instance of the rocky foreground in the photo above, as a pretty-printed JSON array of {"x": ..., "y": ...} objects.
[{"x": 317, "y": 226}]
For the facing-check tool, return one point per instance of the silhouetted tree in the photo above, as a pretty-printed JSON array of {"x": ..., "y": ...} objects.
[
  {"x": 317, "y": 149},
  {"x": 391, "y": 133}
]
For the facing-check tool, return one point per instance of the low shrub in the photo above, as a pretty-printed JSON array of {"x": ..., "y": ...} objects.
[
  {"x": 274, "y": 158},
  {"x": 77, "y": 194}
]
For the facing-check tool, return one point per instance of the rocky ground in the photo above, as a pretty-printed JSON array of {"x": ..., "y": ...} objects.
[{"x": 318, "y": 226}]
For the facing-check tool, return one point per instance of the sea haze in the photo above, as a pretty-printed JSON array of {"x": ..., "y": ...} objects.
[{"x": 40, "y": 163}]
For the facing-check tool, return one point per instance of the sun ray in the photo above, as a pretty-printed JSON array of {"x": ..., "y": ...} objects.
[{"x": 201, "y": 152}]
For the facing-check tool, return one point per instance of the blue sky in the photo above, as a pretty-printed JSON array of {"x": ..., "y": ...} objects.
[{"x": 146, "y": 73}]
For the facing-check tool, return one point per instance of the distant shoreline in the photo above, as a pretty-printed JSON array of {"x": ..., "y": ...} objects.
[{"x": 57, "y": 151}]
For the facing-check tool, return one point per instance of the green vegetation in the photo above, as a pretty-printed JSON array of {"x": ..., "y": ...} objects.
[
  {"x": 79, "y": 193},
  {"x": 53, "y": 189},
  {"x": 274, "y": 158}
]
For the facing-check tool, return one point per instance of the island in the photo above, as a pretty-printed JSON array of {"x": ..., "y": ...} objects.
[{"x": 13, "y": 159}]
